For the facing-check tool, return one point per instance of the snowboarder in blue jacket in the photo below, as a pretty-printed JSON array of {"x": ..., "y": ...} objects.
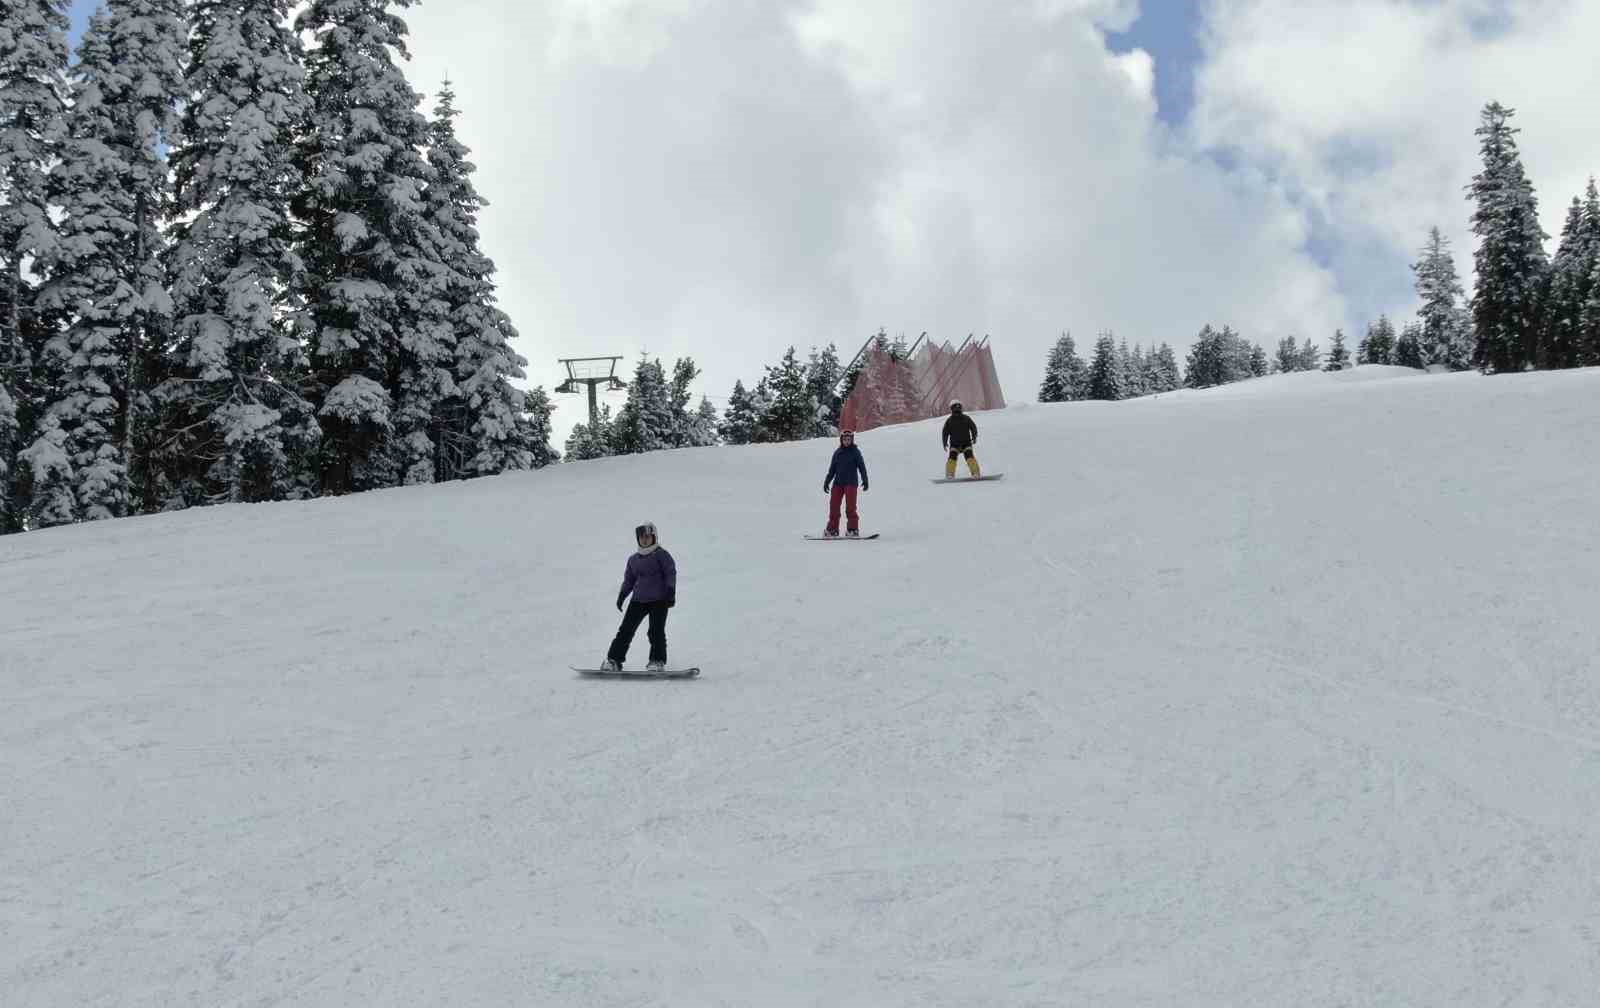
[
  {"x": 652, "y": 578},
  {"x": 845, "y": 471}
]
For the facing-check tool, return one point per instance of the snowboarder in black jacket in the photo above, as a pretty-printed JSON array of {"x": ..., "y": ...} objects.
[{"x": 960, "y": 438}]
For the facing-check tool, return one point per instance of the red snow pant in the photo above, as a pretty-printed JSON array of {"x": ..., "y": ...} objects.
[{"x": 846, "y": 495}]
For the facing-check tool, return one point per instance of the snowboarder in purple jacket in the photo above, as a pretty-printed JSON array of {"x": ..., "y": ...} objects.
[{"x": 652, "y": 578}]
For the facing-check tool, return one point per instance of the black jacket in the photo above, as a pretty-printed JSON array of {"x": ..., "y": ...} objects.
[
  {"x": 843, "y": 470},
  {"x": 960, "y": 432}
]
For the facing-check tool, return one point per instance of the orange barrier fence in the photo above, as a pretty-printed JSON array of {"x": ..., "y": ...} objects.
[{"x": 891, "y": 391}]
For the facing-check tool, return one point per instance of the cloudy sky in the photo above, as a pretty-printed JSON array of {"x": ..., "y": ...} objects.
[{"x": 722, "y": 178}]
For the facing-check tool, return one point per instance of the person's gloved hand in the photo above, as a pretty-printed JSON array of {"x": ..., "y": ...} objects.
[
  {"x": 619, "y": 601},
  {"x": 824, "y": 488},
  {"x": 672, "y": 600},
  {"x": 864, "y": 487}
]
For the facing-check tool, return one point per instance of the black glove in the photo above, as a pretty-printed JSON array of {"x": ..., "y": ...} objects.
[
  {"x": 672, "y": 600},
  {"x": 824, "y": 488},
  {"x": 619, "y": 600},
  {"x": 864, "y": 487}
]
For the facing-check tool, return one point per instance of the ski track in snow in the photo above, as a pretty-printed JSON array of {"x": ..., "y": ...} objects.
[{"x": 1278, "y": 694}]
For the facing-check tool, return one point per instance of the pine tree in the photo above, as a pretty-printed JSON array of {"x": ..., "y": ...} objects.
[
  {"x": 793, "y": 413},
  {"x": 1287, "y": 358},
  {"x": 646, "y": 421},
  {"x": 1309, "y": 356},
  {"x": 1563, "y": 340},
  {"x": 1446, "y": 326},
  {"x": 1066, "y": 376},
  {"x": 761, "y": 405},
  {"x": 1511, "y": 258},
  {"x": 376, "y": 291},
  {"x": 703, "y": 425},
  {"x": 1408, "y": 348},
  {"x": 591, "y": 441},
  {"x": 1105, "y": 372},
  {"x": 533, "y": 428},
  {"x": 1255, "y": 364},
  {"x": 482, "y": 421},
  {"x": 1378, "y": 347},
  {"x": 234, "y": 426},
  {"x": 823, "y": 374},
  {"x": 1589, "y": 313},
  {"x": 684, "y": 372},
  {"x": 91, "y": 452},
  {"x": 33, "y": 64},
  {"x": 1166, "y": 375},
  {"x": 1338, "y": 356},
  {"x": 740, "y": 420},
  {"x": 1205, "y": 366}
]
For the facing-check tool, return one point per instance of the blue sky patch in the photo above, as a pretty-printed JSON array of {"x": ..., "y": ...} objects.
[{"x": 1169, "y": 30}]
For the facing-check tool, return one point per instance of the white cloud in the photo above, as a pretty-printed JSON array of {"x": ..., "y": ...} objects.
[
  {"x": 1366, "y": 110},
  {"x": 722, "y": 179}
]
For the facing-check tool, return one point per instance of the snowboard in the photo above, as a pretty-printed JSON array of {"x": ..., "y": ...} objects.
[
  {"x": 967, "y": 479},
  {"x": 842, "y": 538},
  {"x": 594, "y": 673}
]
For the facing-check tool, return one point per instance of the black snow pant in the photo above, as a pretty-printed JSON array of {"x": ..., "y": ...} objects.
[{"x": 637, "y": 611}]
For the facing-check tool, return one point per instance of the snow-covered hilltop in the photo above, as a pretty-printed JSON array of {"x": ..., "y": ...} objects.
[{"x": 1283, "y": 693}]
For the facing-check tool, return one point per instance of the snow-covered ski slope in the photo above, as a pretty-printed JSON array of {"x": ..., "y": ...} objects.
[{"x": 1284, "y": 694}]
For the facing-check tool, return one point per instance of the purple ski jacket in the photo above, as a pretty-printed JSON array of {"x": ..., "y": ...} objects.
[{"x": 651, "y": 578}]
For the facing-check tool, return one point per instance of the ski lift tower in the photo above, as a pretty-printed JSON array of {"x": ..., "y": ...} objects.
[{"x": 593, "y": 372}]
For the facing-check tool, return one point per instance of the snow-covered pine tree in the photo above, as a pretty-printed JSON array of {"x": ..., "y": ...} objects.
[
  {"x": 233, "y": 424},
  {"x": 1255, "y": 365},
  {"x": 377, "y": 317},
  {"x": 703, "y": 425},
  {"x": 1126, "y": 373},
  {"x": 1589, "y": 314},
  {"x": 761, "y": 404},
  {"x": 646, "y": 422},
  {"x": 1287, "y": 359},
  {"x": 1066, "y": 376},
  {"x": 1338, "y": 355},
  {"x": 1167, "y": 375},
  {"x": 1446, "y": 326},
  {"x": 1590, "y": 345},
  {"x": 591, "y": 442},
  {"x": 533, "y": 427},
  {"x": 1511, "y": 258},
  {"x": 1378, "y": 347},
  {"x": 1105, "y": 371},
  {"x": 33, "y": 64},
  {"x": 792, "y": 414},
  {"x": 1562, "y": 340},
  {"x": 1310, "y": 355},
  {"x": 823, "y": 373},
  {"x": 482, "y": 427},
  {"x": 1408, "y": 348},
  {"x": 739, "y": 420},
  {"x": 1204, "y": 366},
  {"x": 684, "y": 372},
  {"x": 113, "y": 191}
]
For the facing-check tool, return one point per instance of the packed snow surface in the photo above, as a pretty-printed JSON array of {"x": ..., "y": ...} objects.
[{"x": 1281, "y": 694}]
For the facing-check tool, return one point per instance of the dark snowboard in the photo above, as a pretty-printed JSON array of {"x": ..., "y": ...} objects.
[
  {"x": 844, "y": 538},
  {"x": 594, "y": 673},
  {"x": 969, "y": 479}
]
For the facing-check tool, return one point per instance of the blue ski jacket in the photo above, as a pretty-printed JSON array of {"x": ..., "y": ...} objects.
[{"x": 847, "y": 462}]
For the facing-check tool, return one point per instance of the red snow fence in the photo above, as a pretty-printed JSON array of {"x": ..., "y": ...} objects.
[{"x": 892, "y": 389}]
